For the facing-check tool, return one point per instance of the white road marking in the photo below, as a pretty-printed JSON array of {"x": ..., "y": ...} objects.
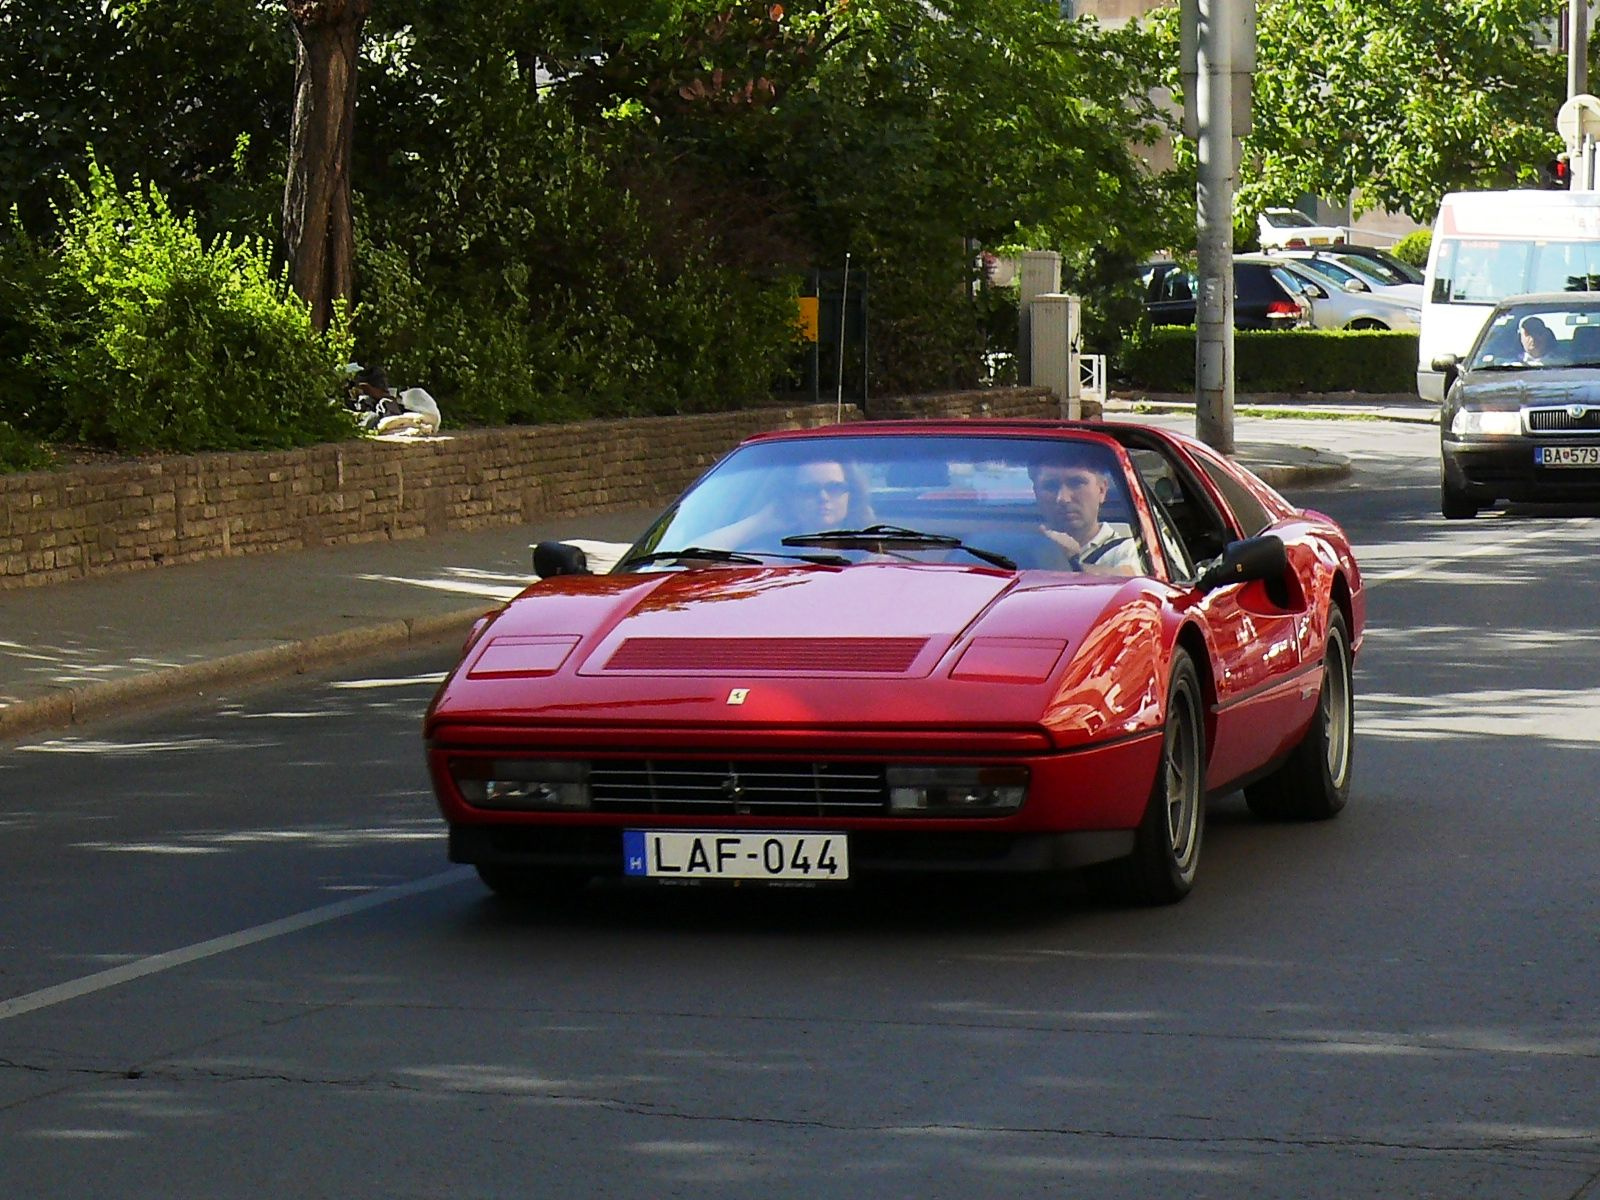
[
  {"x": 156, "y": 963},
  {"x": 1498, "y": 546}
]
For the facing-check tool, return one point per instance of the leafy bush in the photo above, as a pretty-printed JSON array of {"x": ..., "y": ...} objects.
[
  {"x": 18, "y": 452},
  {"x": 1161, "y": 359},
  {"x": 142, "y": 337},
  {"x": 1413, "y": 248}
]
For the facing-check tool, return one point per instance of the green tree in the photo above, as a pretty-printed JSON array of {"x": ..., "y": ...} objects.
[
  {"x": 1398, "y": 103},
  {"x": 318, "y": 222},
  {"x": 901, "y": 132},
  {"x": 191, "y": 95}
]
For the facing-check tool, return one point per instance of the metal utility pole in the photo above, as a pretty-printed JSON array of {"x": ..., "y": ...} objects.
[
  {"x": 1218, "y": 57},
  {"x": 1577, "y": 48}
]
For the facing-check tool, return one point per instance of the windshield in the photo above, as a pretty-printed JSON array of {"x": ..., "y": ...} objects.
[
  {"x": 1484, "y": 270},
  {"x": 1382, "y": 268},
  {"x": 1291, "y": 279},
  {"x": 1538, "y": 334},
  {"x": 1043, "y": 503},
  {"x": 1285, "y": 218},
  {"x": 1333, "y": 272}
]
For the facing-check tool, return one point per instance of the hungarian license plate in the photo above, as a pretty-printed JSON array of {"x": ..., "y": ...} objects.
[
  {"x": 687, "y": 854},
  {"x": 1567, "y": 456}
]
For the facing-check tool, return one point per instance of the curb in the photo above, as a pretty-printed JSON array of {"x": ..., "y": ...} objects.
[
  {"x": 72, "y": 706},
  {"x": 1299, "y": 474},
  {"x": 1404, "y": 414}
]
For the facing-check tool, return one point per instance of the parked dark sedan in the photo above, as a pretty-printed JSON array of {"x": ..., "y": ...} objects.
[
  {"x": 1265, "y": 296},
  {"x": 1521, "y": 417}
]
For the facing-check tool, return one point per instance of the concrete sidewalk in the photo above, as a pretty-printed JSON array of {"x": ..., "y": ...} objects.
[{"x": 77, "y": 651}]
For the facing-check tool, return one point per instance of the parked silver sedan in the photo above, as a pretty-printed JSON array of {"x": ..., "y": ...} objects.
[{"x": 1338, "y": 306}]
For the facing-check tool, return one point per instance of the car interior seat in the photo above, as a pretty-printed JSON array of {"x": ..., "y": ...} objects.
[{"x": 1586, "y": 344}]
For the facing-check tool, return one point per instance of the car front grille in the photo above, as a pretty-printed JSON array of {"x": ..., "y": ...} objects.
[
  {"x": 744, "y": 788},
  {"x": 1578, "y": 419}
]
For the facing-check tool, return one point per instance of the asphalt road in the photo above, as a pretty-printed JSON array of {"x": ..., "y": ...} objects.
[{"x": 233, "y": 961}]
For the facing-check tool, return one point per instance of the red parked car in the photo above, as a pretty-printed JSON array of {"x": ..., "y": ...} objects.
[{"x": 912, "y": 647}]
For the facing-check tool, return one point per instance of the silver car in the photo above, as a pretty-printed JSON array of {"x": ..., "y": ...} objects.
[{"x": 1337, "y": 305}]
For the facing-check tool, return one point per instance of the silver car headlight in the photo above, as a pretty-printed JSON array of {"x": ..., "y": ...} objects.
[
  {"x": 957, "y": 791},
  {"x": 1470, "y": 422},
  {"x": 522, "y": 783}
]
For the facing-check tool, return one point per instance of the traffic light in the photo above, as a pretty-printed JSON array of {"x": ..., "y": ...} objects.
[{"x": 1558, "y": 173}]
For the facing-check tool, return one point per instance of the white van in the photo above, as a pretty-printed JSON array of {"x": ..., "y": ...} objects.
[{"x": 1489, "y": 245}]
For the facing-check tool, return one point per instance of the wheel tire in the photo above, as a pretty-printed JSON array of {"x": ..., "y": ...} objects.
[
  {"x": 1455, "y": 504},
  {"x": 1366, "y": 323},
  {"x": 1166, "y": 848},
  {"x": 1313, "y": 784},
  {"x": 531, "y": 885}
]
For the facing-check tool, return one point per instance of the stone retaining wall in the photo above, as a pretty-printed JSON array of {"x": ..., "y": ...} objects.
[{"x": 69, "y": 524}]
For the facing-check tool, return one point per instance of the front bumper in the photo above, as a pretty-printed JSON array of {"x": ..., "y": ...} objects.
[
  {"x": 597, "y": 850},
  {"x": 1504, "y": 469},
  {"x": 1081, "y": 808}
]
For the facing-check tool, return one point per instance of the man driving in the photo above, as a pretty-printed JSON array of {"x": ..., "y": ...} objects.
[
  {"x": 1539, "y": 345},
  {"x": 1069, "y": 488}
]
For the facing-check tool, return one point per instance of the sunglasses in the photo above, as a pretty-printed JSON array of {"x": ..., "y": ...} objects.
[{"x": 832, "y": 488}]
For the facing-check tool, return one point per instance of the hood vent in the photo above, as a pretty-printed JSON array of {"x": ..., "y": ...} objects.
[{"x": 830, "y": 656}]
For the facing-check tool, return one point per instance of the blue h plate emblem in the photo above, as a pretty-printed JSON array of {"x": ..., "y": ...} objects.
[{"x": 633, "y": 852}]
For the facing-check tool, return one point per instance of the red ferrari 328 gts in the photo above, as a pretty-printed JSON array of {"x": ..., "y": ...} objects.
[{"x": 912, "y": 647}]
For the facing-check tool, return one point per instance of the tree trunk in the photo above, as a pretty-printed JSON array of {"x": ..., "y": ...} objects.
[{"x": 317, "y": 228}]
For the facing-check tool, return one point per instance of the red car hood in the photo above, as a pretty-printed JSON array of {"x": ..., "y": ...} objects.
[{"x": 874, "y": 644}]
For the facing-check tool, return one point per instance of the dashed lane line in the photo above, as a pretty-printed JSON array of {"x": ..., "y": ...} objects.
[{"x": 156, "y": 963}]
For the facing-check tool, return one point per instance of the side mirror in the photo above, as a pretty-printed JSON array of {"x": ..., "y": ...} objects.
[
  {"x": 1244, "y": 561},
  {"x": 558, "y": 558},
  {"x": 1450, "y": 366}
]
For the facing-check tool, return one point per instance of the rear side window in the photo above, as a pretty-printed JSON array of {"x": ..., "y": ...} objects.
[
  {"x": 1253, "y": 282},
  {"x": 1177, "y": 285},
  {"x": 1289, "y": 281},
  {"x": 1250, "y": 512}
]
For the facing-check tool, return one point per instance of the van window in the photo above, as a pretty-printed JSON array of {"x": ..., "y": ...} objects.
[{"x": 1484, "y": 270}]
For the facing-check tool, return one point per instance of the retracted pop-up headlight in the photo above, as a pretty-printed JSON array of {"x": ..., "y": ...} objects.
[
  {"x": 957, "y": 791},
  {"x": 522, "y": 783}
]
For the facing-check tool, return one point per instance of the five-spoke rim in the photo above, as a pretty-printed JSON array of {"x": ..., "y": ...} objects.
[
  {"x": 1336, "y": 715},
  {"x": 1182, "y": 774}
]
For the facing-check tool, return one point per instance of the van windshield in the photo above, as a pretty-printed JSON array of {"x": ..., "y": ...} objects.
[{"x": 1484, "y": 270}]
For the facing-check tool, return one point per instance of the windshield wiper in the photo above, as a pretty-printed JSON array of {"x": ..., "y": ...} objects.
[
  {"x": 895, "y": 535},
  {"x": 753, "y": 558}
]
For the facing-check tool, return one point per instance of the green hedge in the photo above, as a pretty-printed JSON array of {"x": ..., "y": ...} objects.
[{"x": 1289, "y": 360}]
